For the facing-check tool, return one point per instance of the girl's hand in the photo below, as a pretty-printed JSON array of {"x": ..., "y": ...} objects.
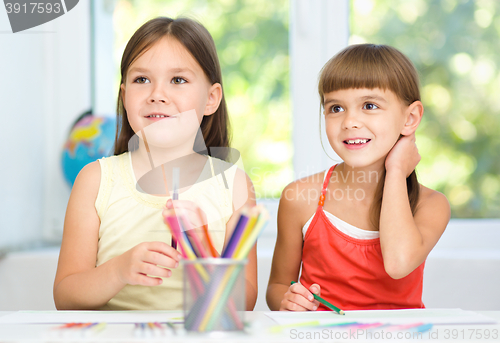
[
  {"x": 146, "y": 263},
  {"x": 197, "y": 218},
  {"x": 404, "y": 156},
  {"x": 188, "y": 209},
  {"x": 298, "y": 298}
]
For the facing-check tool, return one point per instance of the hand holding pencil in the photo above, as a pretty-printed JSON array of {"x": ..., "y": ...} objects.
[
  {"x": 293, "y": 300},
  {"x": 146, "y": 264},
  {"x": 299, "y": 298}
]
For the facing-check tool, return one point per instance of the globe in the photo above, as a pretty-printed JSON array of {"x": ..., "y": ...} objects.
[{"x": 91, "y": 138}]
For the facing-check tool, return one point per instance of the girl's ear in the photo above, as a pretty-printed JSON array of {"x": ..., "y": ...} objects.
[
  {"x": 413, "y": 114},
  {"x": 214, "y": 99}
]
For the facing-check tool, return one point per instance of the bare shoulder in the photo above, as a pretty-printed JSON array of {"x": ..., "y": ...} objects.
[
  {"x": 303, "y": 191},
  {"x": 300, "y": 198},
  {"x": 243, "y": 190},
  {"x": 91, "y": 172},
  {"x": 82, "y": 221},
  {"x": 90, "y": 175},
  {"x": 240, "y": 176},
  {"x": 88, "y": 181},
  {"x": 433, "y": 199},
  {"x": 433, "y": 207}
]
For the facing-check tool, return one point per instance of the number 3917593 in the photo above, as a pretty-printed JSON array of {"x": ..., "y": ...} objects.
[{"x": 33, "y": 7}]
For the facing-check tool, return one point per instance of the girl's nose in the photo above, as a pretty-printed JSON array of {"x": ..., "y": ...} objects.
[
  {"x": 159, "y": 95},
  {"x": 152, "y": 100},
  {"x": 351, "y": 121}
]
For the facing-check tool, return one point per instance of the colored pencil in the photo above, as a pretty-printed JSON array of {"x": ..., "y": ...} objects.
[
  {"x": 254, "y": 216},
  {"x": 215, "y": 301},
  {"x": 175, "y": 196},
  {"x": 208, "y": 239},
  {"x": 187, "y": 248},
  {"x": 326, "y": 303},
  {"x": 236, "y": 235},
  {"x": 172, "y": 327},
  {"x": 225, "y": 287}
]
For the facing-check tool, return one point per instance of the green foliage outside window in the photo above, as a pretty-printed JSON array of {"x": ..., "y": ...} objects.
[
  {"x": 252, "y": 42},
  {"x": 455, "y": 46}
]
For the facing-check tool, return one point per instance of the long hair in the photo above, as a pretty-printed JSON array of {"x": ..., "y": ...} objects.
[
  {"x": 374, "y": 66},
  {"x": 198, "y": 41}
]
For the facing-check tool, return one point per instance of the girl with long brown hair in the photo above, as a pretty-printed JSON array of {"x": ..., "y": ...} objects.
[
  {"x": 361, "y": 231},
  {"x": 116, "y": 252}
]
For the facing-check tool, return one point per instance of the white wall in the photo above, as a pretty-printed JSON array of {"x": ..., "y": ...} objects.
[{"x": 45, "y": 86}]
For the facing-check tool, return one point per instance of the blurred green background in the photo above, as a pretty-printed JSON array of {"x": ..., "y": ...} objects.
[{"x": 454, "y": 44}]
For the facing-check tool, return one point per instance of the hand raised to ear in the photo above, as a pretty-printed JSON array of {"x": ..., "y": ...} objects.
[
  {"x": 414, "y": 114},
  {"x": 404, "y": 156}
]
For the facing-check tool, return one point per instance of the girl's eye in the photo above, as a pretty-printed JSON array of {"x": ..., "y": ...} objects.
[
  {"x": 336, "y": 109},
  {"x": 141, "y": 79},
  {"x": 178, "y": 80},
  {"x": 370, "y": 106}
]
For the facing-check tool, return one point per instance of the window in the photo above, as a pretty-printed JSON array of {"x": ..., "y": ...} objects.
[{"x": 454, "y": 46}]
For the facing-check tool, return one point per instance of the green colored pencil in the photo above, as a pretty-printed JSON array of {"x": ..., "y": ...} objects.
[{"x": 326, "y": 303}]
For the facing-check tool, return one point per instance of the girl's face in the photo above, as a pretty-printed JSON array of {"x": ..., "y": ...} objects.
[
  {"x": 166, "y": 87},
  {"x": 363, "y": 124}
]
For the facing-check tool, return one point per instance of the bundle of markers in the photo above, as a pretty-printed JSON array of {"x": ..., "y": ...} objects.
[{"x": 212, "y": 280}]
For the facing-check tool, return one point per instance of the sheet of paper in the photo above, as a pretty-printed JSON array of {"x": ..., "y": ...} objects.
[
  {"x": 61, "y": 317},
  {"x": 428, "y": 316}
]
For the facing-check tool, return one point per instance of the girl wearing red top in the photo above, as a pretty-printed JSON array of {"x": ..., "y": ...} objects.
[{"x": 360, "y": 231}]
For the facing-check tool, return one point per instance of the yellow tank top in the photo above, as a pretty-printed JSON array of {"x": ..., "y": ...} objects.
[{"x": 129, "y": 217}]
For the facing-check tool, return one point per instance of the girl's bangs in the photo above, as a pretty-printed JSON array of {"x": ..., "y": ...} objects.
[
  {"x": 355, "y": 74},
  {"x": 371, "y": 66}
]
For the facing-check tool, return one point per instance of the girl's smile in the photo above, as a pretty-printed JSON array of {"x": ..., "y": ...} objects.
[
  {"x": 154, "y": 117},
  {"x": 159, "y": 115},
  {"x": 356, "y": 143}
]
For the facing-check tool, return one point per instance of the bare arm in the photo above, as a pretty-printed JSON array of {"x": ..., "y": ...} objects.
[
  {"x": 288, "y": 255},
  {"x": 244, "y": 195},
  {"x": 406, "y": 241},
  {"x": 79, "y": 284}
]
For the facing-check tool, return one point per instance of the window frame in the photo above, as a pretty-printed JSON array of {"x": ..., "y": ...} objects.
[{"x": 314, "y": 38}]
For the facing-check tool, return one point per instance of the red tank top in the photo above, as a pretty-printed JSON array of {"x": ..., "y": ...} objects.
[{"x": 351, "y": 271}]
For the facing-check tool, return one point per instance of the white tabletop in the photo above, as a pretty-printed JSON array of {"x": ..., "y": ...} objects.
[{"x": 261, "y": 328}]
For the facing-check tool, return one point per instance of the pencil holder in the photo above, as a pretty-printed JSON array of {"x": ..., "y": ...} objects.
[{"x": 214, "y": 294}]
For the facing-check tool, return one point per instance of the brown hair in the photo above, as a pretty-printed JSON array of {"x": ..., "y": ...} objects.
[
  {"x": 374, "y": 66},
  {"x": 198, "y": 41}
]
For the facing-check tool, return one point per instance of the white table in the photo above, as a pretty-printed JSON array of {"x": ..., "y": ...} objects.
[{"x": 258, "y": 331}]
